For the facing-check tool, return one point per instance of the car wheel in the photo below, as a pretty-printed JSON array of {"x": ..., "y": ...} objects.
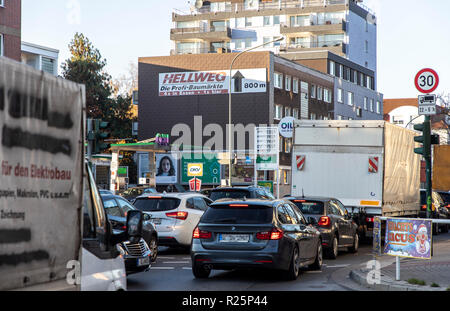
[
  {"x": 294, "y": 269},
  {"x": 153, "y": 248},
  {"x": 200, "y": 271},
  {"x": 334, "y": 250},
  {"x": 354, "y": 248},
  {"x": 317, "y": 265}
]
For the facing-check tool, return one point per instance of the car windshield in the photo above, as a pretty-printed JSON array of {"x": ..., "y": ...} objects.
[
  {"x": 225, "y": 214},
  {"x": 229, "y": 194},
  {"x": 309, "y": 207},
  {"x": 156, "y": 204},
  {"x": 149, "y": 190},
  {"x": 445, "y": 196}
]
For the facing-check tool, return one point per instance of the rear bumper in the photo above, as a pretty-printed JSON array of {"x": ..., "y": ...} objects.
[
  {"x": 227, "y": 259},
  {"x": 169, "y": 241}
]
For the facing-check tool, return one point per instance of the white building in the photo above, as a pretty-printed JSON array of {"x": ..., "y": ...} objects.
[{"x": 40, "y": 57}]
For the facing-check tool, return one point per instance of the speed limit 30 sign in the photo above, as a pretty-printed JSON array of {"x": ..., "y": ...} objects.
[{"x": 427, "y": 81}]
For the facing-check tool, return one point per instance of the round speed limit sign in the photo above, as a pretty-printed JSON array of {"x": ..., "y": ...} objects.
[{"x": 427, "y": 80}]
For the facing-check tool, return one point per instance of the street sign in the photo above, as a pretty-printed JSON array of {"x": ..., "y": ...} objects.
[
  {"x": 426, "y": 81},
  {"x": 427, "y": 105},
  {"x": 286, "y": 127},
  {"x": 195, "y": 184},
  {"x": 267, "y": 140}
]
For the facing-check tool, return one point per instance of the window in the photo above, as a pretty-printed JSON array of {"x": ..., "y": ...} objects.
[
  {"x": 288, "y": 83},
  {"x": 371, "y": 105},
  {"x": 347, "y": 74},
  {"x": 295, "y": 113},
  {"x": 368, "y": 81},
  {"x": 266, "y": 21},
  {"x": 365, "y": 103},
  {"x": 1, "y": 44},
  {"x": 313, "y": 116},
  {"x": 355, "y": 77},
  {"x": 319, "y": 93},
  {"x": 313, "y": 91},
  {"x": 48, "y": 65},
  {"x": 200, "y": 204},
  {"x": 111, "y": 208},
  {"x": 359, "y": 112},
  {"x": 280, "y": 147},
  {"x": 287, "y": 149},
  {"x": 248, "y": 21},
  {"x": 378, "y": 107},
  {"x": 278, "y": 112},
  {"x": 291, "y": 214},
  {"x": 361, "y": 79},
  {"x": 327, "y": 95},
  {"x": 276, "y": 19},
  {"x": 278, "y": 80},
  {"x": 366, "y": 47},
  {"x": 350, "y": 99},
  {"x": 340, "y": 97},
  {"x": 283, "y": 216},
  {"x": 287, "y": 111},
  {"x": 339, "y": 117},
  {"x": 125, "y": 206},
  {"x": 332, "y": 68},
  {"x": 295, "y": 85}
]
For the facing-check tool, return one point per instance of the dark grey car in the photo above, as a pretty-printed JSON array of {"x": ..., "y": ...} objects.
[
  {"x": 333, "y": 221},
  {"x": 255, "y": 234}
]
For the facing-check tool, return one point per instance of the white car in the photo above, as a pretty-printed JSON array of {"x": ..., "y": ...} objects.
[{"x": 175, "y": 215}]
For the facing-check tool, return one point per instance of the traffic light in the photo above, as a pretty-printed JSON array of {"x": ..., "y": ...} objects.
[
  {"x": 100, "y": 133},
  {"x": 425, "y": 139}
]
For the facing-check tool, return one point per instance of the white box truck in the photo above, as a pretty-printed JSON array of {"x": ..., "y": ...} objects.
[
  {"x": 370, "y": 166},
  {"x": 54, "y": 233}
]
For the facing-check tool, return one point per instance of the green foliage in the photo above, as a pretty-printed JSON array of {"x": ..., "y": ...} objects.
[
  {"x": 120, "y": 117},
  {"x": 86, "y": 66},
  {"x": 417, "y": 282},
  {"x": 435, "y": 285}
]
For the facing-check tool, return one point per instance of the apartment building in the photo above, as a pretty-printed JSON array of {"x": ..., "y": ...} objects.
[
  {"x": 344, "y": 27},
  {"x": 10, "y": 28},
  {"x": 40, "y": 57},
  {"x": 177, "y": 90}
]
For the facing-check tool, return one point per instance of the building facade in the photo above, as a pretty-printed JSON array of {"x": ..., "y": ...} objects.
[
  {"x": 10, "y": 28},
  {"x": 265, "y": 89},
  {"x": 40, "y": 57},
  {"x": 344, "y": 27}
]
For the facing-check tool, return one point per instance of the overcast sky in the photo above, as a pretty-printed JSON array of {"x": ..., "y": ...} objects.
[{"x": 412, "y": 34}]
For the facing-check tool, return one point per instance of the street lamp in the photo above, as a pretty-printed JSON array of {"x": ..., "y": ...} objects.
[{"x": 229, "y": 100}]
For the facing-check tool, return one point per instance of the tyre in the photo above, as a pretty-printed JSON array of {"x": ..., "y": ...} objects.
[
  {"x": 332, "y": 252},
  {"x": 153, "y": 245},
  {"x": 354, "y": 248},
  {"x": 317, "y": 265},
  {"x": 294, "y": 270},
  {"x": 200, "y": 271}
]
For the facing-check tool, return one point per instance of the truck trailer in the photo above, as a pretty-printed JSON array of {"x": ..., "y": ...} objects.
[{"x": 370, "y": 166}]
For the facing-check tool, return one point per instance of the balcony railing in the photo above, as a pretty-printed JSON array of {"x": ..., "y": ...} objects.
[
  {"x": 310, "y": 45},
  {"x": 261, "y": 6},
  {"x": 199, "y": 51},
  {"x": 174, "y": 31}
]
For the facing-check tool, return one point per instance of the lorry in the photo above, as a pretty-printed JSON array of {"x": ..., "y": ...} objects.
[
  {"x": 54, "y": 232},
  {"x": 370, "y": 166}
]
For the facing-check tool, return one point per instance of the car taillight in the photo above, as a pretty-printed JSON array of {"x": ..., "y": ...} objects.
[
  {"x": 324, "y": 221},
  {"x": 200, "y": 234},
  {"x": 369, "y": 219},
  {"x": 424, "y": 207},
  {"x": 178, "y": 215},
  {"x": 275, "y": 234},
  {"x": 124, "y": 227}
]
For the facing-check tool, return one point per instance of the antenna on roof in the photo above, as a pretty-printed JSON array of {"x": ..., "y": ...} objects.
[{"x": 303, "y": 194}]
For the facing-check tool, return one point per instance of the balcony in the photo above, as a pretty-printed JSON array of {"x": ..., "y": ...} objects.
[
  {"x": 337, "y": 47},
  {"x": 201, "y": 50},
  {"x": 211, "y": 33},
  {"x": 331, "y": 25},
  {"x": 259, "y": 9}
]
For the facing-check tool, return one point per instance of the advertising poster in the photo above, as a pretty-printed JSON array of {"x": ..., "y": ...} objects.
[
  {"x": 266, "y": 184},
  {"x": 410, "y": 238},
  {"x": 377, "y": 236},
  {"x": 166, "y": 169}
]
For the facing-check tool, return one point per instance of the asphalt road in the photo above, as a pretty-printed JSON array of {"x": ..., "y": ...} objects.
[{"x": 172, "y": 272}]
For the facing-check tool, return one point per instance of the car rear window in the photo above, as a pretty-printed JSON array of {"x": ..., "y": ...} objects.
[
  {"x": 229, "y": 194},
  {"x": 309, "y": 207},
  {"x": 156, "y": 204},
  {"x": 225, "y": 214}
]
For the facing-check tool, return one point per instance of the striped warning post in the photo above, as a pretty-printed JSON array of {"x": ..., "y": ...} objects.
[
  {"x": 373, "y": 164},
  {"x": 301, "y": 162}
]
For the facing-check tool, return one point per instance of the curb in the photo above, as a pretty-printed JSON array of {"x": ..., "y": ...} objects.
[{"x": 388, "y": 284}]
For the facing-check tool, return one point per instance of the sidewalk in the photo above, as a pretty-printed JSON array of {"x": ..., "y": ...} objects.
[{"x": 432, "y": 271}]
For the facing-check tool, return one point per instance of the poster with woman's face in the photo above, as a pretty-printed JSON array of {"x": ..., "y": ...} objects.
[{"x": 166, "y": 169}]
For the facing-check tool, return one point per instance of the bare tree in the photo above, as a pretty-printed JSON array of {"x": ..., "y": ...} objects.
[{"x": 126, "y": 83}]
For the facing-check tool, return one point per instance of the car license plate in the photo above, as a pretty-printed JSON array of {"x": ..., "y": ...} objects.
[
  {"x": 143, "y": 261},
  {"x": 156, "y": 221},
  {"x": 234, "y": 238}
]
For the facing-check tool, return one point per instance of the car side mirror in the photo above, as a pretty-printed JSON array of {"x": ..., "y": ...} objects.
[
  {"x": 147, "y": 217},
  {"x": 312, "y": 221},
  {"x": 134, "y": 226}
]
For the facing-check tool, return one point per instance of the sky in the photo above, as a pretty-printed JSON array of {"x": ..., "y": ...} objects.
[{"x": 412, "y": 34}]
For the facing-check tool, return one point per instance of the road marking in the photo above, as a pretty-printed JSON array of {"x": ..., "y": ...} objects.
[
  {"x": 338, "y": 266},
  {"x": 318, "y": 271},
  {"x": 162, "y": 257},
  {"x": 163, "y": 268},
  {"x": 169, "y": 262},
  {"x": 187, "y": 268}
]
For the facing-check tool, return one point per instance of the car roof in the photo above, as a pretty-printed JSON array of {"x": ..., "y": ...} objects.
[
  {"x": 322, "y": 199},
  {"x": 175, "y": 195},
  {"x": 236, "y": 187},
  {"x": 261, "y": 202},
  {"x": 111, "y": 196}
]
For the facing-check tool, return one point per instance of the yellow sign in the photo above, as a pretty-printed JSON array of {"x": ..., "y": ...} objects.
[
  {"x": 370, "y": 203},
  {"x": 195, "y": 170}
]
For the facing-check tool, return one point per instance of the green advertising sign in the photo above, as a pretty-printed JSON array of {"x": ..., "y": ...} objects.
[
  {"x": 122, "y": 171},
  {"x": 266, "y": 184},
  {"x": 210, "y": 172}
]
